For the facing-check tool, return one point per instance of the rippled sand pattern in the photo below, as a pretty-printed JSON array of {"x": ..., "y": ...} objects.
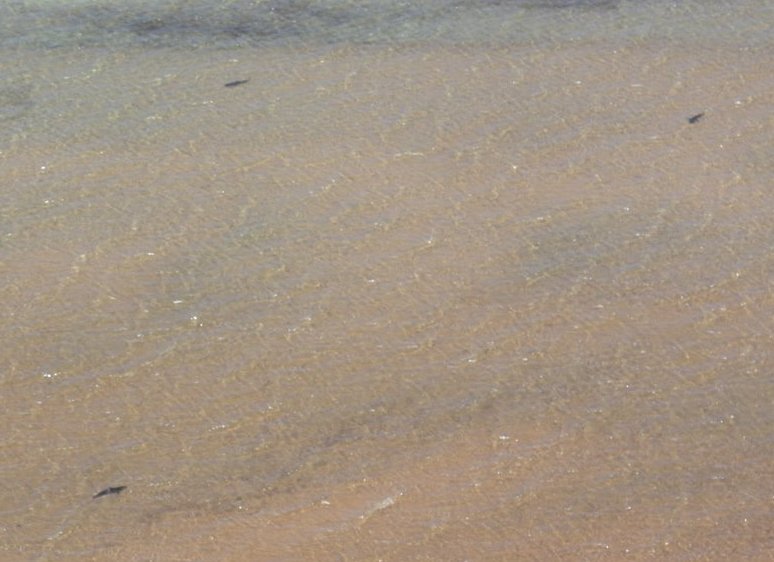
[{"x": 388, "y": 303}]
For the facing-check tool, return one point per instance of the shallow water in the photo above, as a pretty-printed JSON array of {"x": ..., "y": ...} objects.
[{"x": 401, "y": 299}]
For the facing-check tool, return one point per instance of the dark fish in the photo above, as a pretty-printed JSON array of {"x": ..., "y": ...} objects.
[
  {"x": 695, "y": 118},
  {"x": 108, "y": 491},
  {"x": 236, "y": 83}
]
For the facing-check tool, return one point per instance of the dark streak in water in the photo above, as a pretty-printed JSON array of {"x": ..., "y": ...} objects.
[
  {"x": 236, "y": 83},
  {"x": 108, "y": 491},
  {"x": 695, "y": 118},
  {"x": 248, "y": 23},
  {"x": 559, "y": 4}
]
